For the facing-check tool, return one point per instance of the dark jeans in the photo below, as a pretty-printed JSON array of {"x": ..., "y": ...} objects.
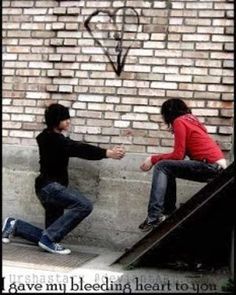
[
  {"x": 163, "y": 191},
  {"x": 55, "y": 198}
]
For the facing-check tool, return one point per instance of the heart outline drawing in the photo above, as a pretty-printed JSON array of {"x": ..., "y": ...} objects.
[{"x": 120, "y": 51}]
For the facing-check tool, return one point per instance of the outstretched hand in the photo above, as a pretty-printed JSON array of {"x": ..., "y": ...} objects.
[
  {"x": 146, "y": 165},
  {"x": 117, "y": 153}
]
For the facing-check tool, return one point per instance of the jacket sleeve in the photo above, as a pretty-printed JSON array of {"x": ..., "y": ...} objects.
[
  {"x": 179, "y": 150},
  {"x": 83, "y": 150}
]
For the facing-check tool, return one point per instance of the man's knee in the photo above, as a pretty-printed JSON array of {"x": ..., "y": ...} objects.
[
  {"x": 161, "y": 166},
  {"x": 86, "y": 207}
]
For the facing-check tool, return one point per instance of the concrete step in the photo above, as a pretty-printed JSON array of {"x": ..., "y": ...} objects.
[{"x": 119, "y": 207}]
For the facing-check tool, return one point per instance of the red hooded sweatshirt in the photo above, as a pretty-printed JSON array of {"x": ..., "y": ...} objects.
[{"x": 191, "y": 139}]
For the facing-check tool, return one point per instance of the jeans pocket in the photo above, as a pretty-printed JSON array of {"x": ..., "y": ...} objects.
[{"x": 49, "y": 192}]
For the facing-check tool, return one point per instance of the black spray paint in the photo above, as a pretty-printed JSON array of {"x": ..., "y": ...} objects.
[{"x": 121, "y": 29}]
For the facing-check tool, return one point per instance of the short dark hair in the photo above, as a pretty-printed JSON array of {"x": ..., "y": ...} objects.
[
  {"x": 56, "y": 113},
  {"x": 172, "y": 109}
]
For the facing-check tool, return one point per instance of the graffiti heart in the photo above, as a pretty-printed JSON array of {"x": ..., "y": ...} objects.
[{"x": 115, "y": 32}]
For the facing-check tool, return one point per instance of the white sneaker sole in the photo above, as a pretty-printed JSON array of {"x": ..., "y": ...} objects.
[
  {"x": 147, "y": 229},
  {"x": 63, "y": 252},
  {"x": 6, "y": 240}
]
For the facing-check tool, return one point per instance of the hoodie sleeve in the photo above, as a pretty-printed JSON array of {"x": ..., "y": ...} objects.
[
  {"x": 83, "y": 150},
  {"x": 179, "y": 150}
]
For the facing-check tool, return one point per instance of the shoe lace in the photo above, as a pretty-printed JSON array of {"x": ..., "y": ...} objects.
[{"x": 58, "y": 247}]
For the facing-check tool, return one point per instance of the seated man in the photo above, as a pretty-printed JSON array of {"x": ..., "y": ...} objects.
[
  {"x": 52, "y": 184},
  {"x": 190, "y": 139}
]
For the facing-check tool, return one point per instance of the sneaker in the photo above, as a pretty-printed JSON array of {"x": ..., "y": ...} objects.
[
  {"x": 147, "y": 226},
  {"x": 8, "y": 229},
  {"x": 52, "y": 247},
  {"x": 161, "y": 218}
]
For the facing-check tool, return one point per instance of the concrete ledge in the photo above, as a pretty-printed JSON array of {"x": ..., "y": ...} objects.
[{"x": 118, "y": 190}]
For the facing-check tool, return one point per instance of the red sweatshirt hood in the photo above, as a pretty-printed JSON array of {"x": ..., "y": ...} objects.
[{"x": 193, "y": 120}]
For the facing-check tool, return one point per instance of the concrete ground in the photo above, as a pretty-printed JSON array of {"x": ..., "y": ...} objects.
[{"x": 26, "y": 268}]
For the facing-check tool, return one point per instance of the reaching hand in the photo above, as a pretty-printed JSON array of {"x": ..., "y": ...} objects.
[
  {"x": 117, "y": 153},
  {"x": 146, "y": 165}
]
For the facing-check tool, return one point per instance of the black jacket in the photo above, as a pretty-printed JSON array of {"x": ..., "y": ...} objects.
[{"x": 55, "y": 150}]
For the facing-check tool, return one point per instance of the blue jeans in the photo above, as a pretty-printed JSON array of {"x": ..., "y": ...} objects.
[
  {"x": 55, "y": 198},
  {"x": 163, "y": 191}
]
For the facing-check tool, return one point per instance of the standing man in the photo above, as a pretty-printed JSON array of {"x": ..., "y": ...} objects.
[{"x": 52, "y": 184}]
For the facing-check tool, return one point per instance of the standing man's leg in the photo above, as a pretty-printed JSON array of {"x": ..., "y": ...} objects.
[
  {"x": 16, "y": 227},
  {"x": 78, "y": 207},
  {"x": 20, "y": 228},
  {"x": 52, "y": 213}
]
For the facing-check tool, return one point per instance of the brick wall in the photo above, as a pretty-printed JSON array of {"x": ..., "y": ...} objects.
[{"x": 183, "y": 49}]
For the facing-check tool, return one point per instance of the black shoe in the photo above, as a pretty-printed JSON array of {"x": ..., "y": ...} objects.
[
  {"x": 148, "y": 226},
  {"x": 145, "y": 226}
]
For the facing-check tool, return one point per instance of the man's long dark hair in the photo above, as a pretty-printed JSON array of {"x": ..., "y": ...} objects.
[{"x": 172, "y": 109}]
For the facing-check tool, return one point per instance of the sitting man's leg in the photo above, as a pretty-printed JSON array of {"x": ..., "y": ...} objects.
[
  {"x": 163, "y": 172},
  {"x": 156, "y": 201},
  {"x": 170, "y": 197}
]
